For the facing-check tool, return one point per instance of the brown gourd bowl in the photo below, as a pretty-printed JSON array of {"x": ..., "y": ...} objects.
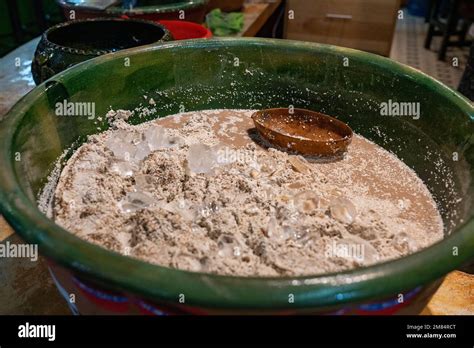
[{"x": 303, "y": 131}]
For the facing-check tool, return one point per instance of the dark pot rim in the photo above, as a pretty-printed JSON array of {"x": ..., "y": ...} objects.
[
  {"x": 98, "y": 52},
  {"x": 218, "y": 291},
  {"x": 141, "y": 10}
]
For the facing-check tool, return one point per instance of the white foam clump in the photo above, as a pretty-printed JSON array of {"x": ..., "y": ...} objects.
[
  {"x": 343, "y": 210},
  {"x": 143, "y": 182},
  {"x": 123, "y": 168},
  {"x": 121, "y": 145},
  {"x": 131, "y": 147},
  {"x": 202, "y": 158},
  {"x": 157, "y": 138},
  {"x": 403, "y": 242},
  {"x": 134, "y": 201},
  {"x": 228, "y": 245}
]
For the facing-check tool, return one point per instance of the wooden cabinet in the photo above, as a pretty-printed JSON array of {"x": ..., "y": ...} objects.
[{"x": 362, "y": 24}]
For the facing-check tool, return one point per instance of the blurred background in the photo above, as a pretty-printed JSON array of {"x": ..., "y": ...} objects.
[
  {"x": 426, "y": 34},
  {"x": 21, "y": 21}
]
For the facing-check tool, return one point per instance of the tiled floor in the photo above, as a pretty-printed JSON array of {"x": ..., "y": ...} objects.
[{"x": 408, "y": 48}]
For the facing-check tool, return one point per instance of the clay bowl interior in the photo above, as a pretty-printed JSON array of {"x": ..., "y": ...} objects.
[{"x": 270, "y": 73}]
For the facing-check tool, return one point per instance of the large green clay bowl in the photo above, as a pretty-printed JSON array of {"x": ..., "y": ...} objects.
[{"x": 243, "y": 74}]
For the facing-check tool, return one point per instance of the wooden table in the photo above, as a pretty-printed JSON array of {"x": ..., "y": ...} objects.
[
  {"x": 454, "y": 297},
  {"x": 256, "y": 14},
  {"x": 27, "y": 288}
]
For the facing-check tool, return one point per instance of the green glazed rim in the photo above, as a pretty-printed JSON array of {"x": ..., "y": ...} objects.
[{"x": 217, "y": 291}]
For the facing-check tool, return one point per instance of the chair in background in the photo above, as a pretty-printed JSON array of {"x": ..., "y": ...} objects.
[
  {"x": 449, "y": 18},
  {"x": 466, "y": 86}
]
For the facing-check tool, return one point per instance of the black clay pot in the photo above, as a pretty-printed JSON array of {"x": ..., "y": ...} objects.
[{"x": 70, "y": 43}]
